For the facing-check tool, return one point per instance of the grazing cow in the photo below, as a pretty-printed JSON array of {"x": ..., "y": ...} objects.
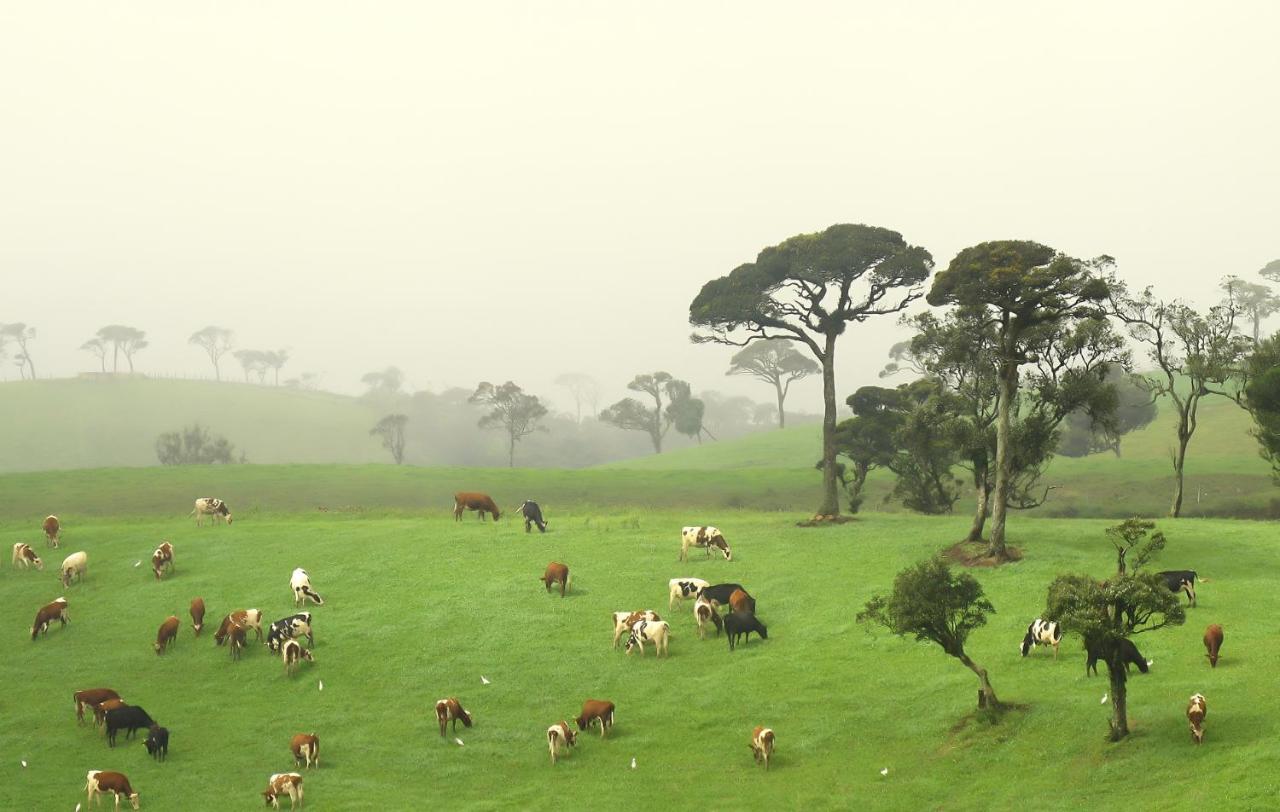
[
  {"x": 168, "y": 634},
  {"x": 741, "y": 625},
  {"x": 100, "y": 782},
  {"x": 706, "y": 538},
  {"x": 24, "y": 557},
  {"x": 1212, "y": 643},
  {"x": 284, "y": 784},
  {"x": 157, "y": 743},
  {"x": 300, "y": 582},
  {"x": 209, "y": 506},
  {"x": 681, "y": 588},
  {"x": 249, "y": 618},
  {"x": 740, "y": 601},
  {"x": 1129, "y": 655},
  {"x": 623, "y": 621},
  {"x": 49, "y": 613},
  {"x": 596, "y": 710},
  {"x": 101, "y": 710},
  {"x": 73, "y": 567},
  {"x": 306, "y": 749},
  {"x": 560, "y": 737},
  {"x": 162, "y": 558},
  {"x": 556, "y": 573},
  {"x": 704, "y": 611},
  {"x": 289, "y": 628},
  {"x": 762, "y": 745},
  {"x": 451, "y": 710},
  {"x": 91, "y": 697},
  {"x": 1041, "y": 633},
  {"x": 292, "y": 652},
  {"x": 1196, "y": 710},
  {"x": 52, "y": 531},
  {"x": 650, "y": 631},
  {"x": 128, "y": 717},
  {"x": 197, "y": 615},
  {"x": 532, "y": 515},
  {"x": 237, "y": 637},
  {"x": 481, "y": 503},
  {"x": 1181, "y": 581},
  {"x": 719, "y": 594}
]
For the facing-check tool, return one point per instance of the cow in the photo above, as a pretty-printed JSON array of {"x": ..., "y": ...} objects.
[
  {"x": 306, "y": 749},
  {"x": 740, "y": 601},
  {"x": 162, "y": 559},
  {"x": 719, "y": 594},
  {"x": 288, "y": 628},
  {"x": 704, "y": 612},
  {"x": 623, "y": 621},
  {"x": 52, "y": 531},
  {"x": 762, "y": 745},
  {"x": 532, "y": 515},
  {"x": 1212, "y": 643},
  {"x": 283, "y": 784},
  {"x": 706, "y": 538},
  {"x": 25, "y": 557},
  {"x": 168, "y": 634},
  {"x": 47, "y": 614},
  {"x": 1181, "y": 581},
  {"x": 560, "y": 737},
  {"x": 451, "y": 710},
  {"x": 91, "y": 697},
  {"x": 1041, "y": 633},
  {"x": 104, "y": 707},
  {"x": 157, "y": 743},
  {"x": 596, "y": 710},
  {"x": 481, "y": 503},
  {"x": 209, "y": 506},
  {"x": 1196, "y": 710},
  {"x": 681, "y": 588},
  {"x": 100, "y": 782},
  {"x": 292, "y": 653},
  {"x": 556, "y": 573},
  {"x": 237, "y": 638},
  {"x": 651, "y": 631},
  {"x": 129, "y": 717},
  {"x": 73, "y": 567},
  {"x": 249, "y": 618},
  {"x": 300, "y": 582},
  {"x": 1129, "y": 655},
  {"x": 741, "y": 625},
  {"x": 197, "y": 615}
]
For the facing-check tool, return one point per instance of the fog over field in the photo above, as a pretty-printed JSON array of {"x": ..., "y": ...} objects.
[{"x": 515, "y": 190}]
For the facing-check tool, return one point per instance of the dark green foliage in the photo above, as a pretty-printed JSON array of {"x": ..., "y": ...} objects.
[
  {"x": 633, "y": 415},
  {"x": 391, "y": 430},
  {"x": 510, "y": 410},
  {"x": 1081, "y": 434},
  {"x": 1262, "y": 398},
  {"x": 194, "y": 445},
  {"x": 685, "y": 412},
  {"x": 1135, "y": 536}
]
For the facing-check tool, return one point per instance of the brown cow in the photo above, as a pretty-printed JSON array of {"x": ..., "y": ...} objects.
[
  {"x": 556, "y": 573},
  {"x": 91, "y": 697},
  {"x": 1196, "y": 710},
  {"x": 451, "y": 710},
  {"x": 162, "y": 558},
  {"x": 482, "y": 503},
  {"x": 49, "y": 613},
  {"x": 236, "y": 634},
  {"x": 168, "y": 634},
  {"x": 306, "y": 749},
  {"x": 1212, "y": 643},
  {"x": 100, "y": 782},
  {"x": 596, "y": 710},
  {"x": 740, "y": 601},
  {"x": 52, "y": 530},
  {"x": 197, "y": 615},
  {"x": 100, "y": 710}
]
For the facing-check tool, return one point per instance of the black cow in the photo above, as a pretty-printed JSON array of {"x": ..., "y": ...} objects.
[
  {"x": 130, "y": 718},
  {"x": 158, "y": 743},
  {"x": 1129, "y": 655},
  {"x": 737, "y": 624},
  {"x": 1181, "y": 581},
  {"x": 288, "y": 628},
  {"x": 720, "y": 592},
  {"x": 532, "y": 515}
]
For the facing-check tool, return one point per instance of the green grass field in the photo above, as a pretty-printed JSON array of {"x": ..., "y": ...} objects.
[{"x": 419, "y": 607}]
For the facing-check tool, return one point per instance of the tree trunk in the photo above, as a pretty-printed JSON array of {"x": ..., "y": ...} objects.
[
  {"x": 830, "y": 494},
  {"x": 217, "y": 373},
  {"x": 987, "y": 694},
  {"x": 980, "y": 479},
  {"x": 102, "y": 362},
  {"x": 1179, "y": 462},
  {"x": 1008, "y": 386},
  {"x": 128, "y": 356},
  {"x": 1256, "y": 319},
  {"x": 115, "y": 358},
  {"x": 782, "y": 415},
  {"x": 31, "y": 365},
  {"x": 1119, "y": 697},
  {"x": 511, "y": 453}
]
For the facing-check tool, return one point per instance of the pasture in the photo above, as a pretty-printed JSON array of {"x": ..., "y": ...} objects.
[{"x": 418, "y": 607}]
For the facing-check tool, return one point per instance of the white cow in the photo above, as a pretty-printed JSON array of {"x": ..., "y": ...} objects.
[
  {"x": 302, "y": 591},
  {"x": 652, "y": 631},
  {"x": 74, "y": 566},
  {"x": 623, "y": 621},
  {"x": 560, "y": 737},
  {"x": 681, "y": 588},
  {"x": 209, "y": 506}
]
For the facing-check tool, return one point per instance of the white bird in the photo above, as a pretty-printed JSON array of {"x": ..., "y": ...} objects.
[
  {"x": 633, "y": 762},
  {"x": 77, "y": 807},
  {"x": 322, "y": 685},
  {"x": 483, "y": 680},
  {"x": 24, "y": 764},
  {"x": 1104, "y": 700},
  {"x": 885, "y": 771},
  {"x": 459, "y": 741},
  {"x": 137, "y": 563},
  {"x": 1151, "y": 662}
]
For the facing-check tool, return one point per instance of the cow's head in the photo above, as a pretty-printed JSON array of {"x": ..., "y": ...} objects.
[
  {"x": 720, "y": 544},
  {"x": 271, "y": 799},
  {"x": 1027, "y": 642},
  {"x": 632, "y": 642},
  {"x": 66, "y": 576},
  {"x": 764, "y": 631},
  {"x": 133, "y": 799},
  {"x": 35, "y": 559}
]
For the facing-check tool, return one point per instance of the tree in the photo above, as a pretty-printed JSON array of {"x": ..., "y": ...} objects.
[
  {"x": 583, "y": 388},
  {"x": 391, "y": 430},
  {"x": 1082, "y": 434},
  {"x": 810, "y": 288},
  {"x": 387, "y": 382},
  {"x": 194, "y": 445},
  {"x": 216, "y": 342},
  {"x": 632, "y": 415},
  {"x": 1261, "y": 373},
  {"x": 511, "y": 410},
  {"x": 775, "y": 362},
  {"x": 20, "y": 334},
  {"x": 275, "y": 359},
  {"x": 685, "y": 413},
  {"x": 1271, "y": 271},
  {"x": 932, "y": 603},
  {"x": 252, "y": 361},
  {"x": 869, "y": 438},
  {"x": 1134, "y": 536},
  {"x": 98, "y": 349},
  {"x": 123, "y": 339},
  {"x": 1255, "y": 302}
]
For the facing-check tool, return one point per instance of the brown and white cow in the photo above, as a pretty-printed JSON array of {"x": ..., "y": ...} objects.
[
  {"x": 560, "y": 737},
  {"x": 100, "y": 782},
  {"x": 482, "y": 503},
  {"x": 1196, "y": 710},
  {"x": 596, "y": 710},
  {"x": 249, "y": 618},
  {"x": 284, "y": 784},
  {"x": 1213, "y": 643},
  {"x": 704, "y": 612},
  {"x": 556, "y": 573},
  {"x": 49, "y": 613},
  {"x": 656, "y": 632},
  {"x": 162, "y": 559},
  {"x": 762, "y": 745},
  {"x": 73, "y": 567},
  {"x": 197, "y": 615},
  {"x": 451, "y": 710},
  {"x": 705, "y": 537},
  {"x": 209, "y": 506},
  {"x": 292, "y": 653},
  {"x": 24, "y": 557},
  {"x": 168, "y": 634},
  {"x": 91, "y": 698},
  {"x": 52, "y": 531},
  {"x": 237, "y": 640},
  {"x": 623, "y": 621},
  {"x": 306, "y": 749}
]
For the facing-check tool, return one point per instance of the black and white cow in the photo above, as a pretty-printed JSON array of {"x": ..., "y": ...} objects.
[
  {"x": 1042, "y": 633},
  {"x": 682, "y": 588},
  {"x": 1181, "y": 581},
  {"x": 209, "y": 506},
  {"x": 705, "y": 537},
  {"x": 300, "y": 583},
  {"x": 289, "y": 628},
  {"x": 532, "y": 515}
]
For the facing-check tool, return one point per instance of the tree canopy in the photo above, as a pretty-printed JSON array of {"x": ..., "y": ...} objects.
[
  {"x": 510, "y": 410},
  {"x": 632, "y": 415}
]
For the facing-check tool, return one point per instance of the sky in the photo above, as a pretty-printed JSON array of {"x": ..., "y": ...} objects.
[{"x": 512, "y": 190}]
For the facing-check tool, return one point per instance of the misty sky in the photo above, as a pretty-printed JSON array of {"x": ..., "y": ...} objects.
[{"x": 512, "y": 190}]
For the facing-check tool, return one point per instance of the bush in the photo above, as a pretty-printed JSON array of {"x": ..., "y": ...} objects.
[{"x": 194, "y": 445}]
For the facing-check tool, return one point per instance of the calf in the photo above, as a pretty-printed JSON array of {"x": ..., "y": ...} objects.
[
  {"x": 479, "y": 502},
  {"x": 596, "y": 710},
  {"x": 126, "y": 717},
  {"x": 681, "y": 588},
  {"x": 741, "y": 625},
  {"x": 1041, "y": 633},
  {"x": 91, "y": 697},
  {"x": 289, "y": 628},
  {"x": 49, "y": 613},
  {"x": 762, "y": 745},
  {"x": 720, "y": 594},
  {"x": 532, "y": 515},
  {"x": 167, "y": 635},
  {"x": 451, "y": 710},
  {"x": 1181, "y": 581},
  {"x": 1196, "y": 709},
  {"x": 306, "y": 749},
  {"x": 100, "y": 782},
  {"x": 25, "y": 557},
  {"x": 556, "y": 573},
  {"x": 623, "y": 621},
  {"x": 650, "y": 631},
  {"x": 1212, "y": 643},
  {"x": 302, "y": 591},
  {"x": 162, "y": 559},
  {"x": 284, "y": 784},
  {"x": 704, "y": 611},
  {"x": 197, "y": 615},
  {"x": 560, "y": 737},
  {"x": 52, "y": 531},
  {"x": 237, "y": 637},
  {"x": 157, "y": 743},
  {"x": 73, "y": 567},
  {"x": 705, "y": 537},
  {"x": 1129, "y": 655},
  {"x": 291, "y": 653},
  {"x": 740, "y": 601},
  {"x": 209, "y": 506}
]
